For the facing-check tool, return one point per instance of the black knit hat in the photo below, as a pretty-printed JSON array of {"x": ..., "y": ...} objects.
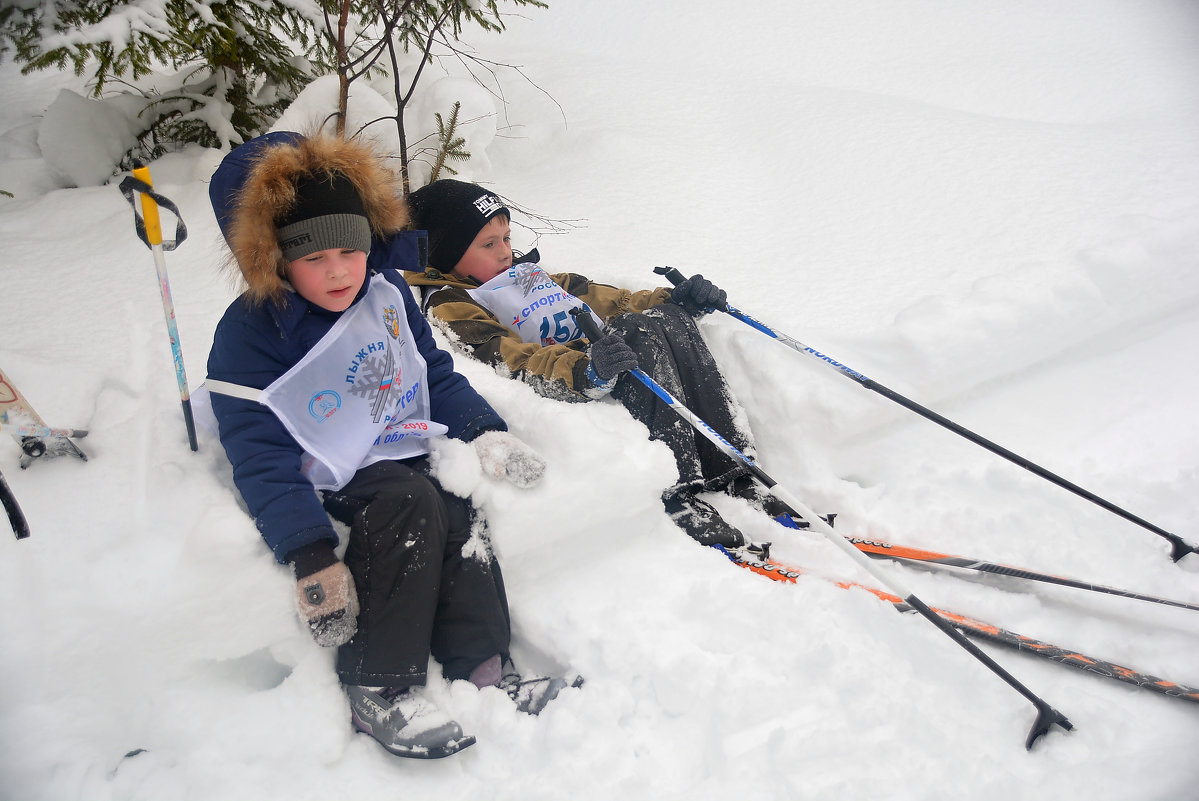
[
  {"x": 453, "y": 212},
  {"x": 328, "y": 213}
]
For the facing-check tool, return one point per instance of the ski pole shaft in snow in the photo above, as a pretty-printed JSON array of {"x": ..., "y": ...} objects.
[
  {"x": 1047, "y": 716},
  {"x": 1179, "y": 547},
  {"x": 20, "y": 526},
  {"x": 153, "y": 237}
]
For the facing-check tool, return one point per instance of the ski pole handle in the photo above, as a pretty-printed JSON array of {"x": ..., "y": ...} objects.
[
  {"x": 676, "y": 278},
  {"x": 149, "y": 206},
  {"x": 586, "y": 324},
  {"x": 672, "y": 275}
]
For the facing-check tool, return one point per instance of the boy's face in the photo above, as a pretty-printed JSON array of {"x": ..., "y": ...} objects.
[
  {"x": 328, "y": 278},
  {"x": 491, "y": 252}
]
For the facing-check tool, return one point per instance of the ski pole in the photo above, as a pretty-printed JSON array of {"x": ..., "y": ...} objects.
[
  {"x": 1179, "y": 547},
  {"x": 1047, "y": 716},
  {"x": 20, "y": 526},
  {"x": 916, "y": 556},
  {"x": 149, "y": 230}
]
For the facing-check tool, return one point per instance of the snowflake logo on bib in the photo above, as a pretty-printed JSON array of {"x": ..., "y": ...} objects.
[
  {"x": 527, "y": 276},
  {"x": 378, "y": 377}
]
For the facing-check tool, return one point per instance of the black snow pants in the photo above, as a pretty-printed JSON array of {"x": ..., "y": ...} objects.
[
  {"x": 425, "y": 585},
  {"x": 671, "y": 350}
]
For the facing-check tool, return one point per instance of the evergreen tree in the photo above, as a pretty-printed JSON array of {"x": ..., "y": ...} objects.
[
  {"x": 450, "y": 146},
  {"x": 228, "y": 68},
  {"x": 394, "y": 28},
  {"x": 221, "y": 71}
]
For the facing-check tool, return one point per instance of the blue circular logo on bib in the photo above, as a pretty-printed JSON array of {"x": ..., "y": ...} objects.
[{"x": 324, "y": 405}]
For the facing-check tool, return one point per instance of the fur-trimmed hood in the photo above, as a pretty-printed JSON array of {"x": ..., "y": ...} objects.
[{"x": 255, "y": 185}]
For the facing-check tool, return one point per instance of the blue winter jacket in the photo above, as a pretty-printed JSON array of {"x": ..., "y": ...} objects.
[{"x": 254, "y": 345}]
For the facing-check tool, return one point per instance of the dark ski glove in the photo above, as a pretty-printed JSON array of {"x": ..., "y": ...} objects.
[
  {"x": 698, "y": 295},
  {"x": 610, "y": 357},
  {"x": 328, "y": 603}
]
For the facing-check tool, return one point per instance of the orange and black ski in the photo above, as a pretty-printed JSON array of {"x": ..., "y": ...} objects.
[{"x": 763, "y": 565}]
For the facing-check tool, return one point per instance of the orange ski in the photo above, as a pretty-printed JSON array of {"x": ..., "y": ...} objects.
[{"x": 777, "y": 571}]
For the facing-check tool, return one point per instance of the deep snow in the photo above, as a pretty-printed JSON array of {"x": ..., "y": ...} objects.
[{"x": 991, "y": 208}]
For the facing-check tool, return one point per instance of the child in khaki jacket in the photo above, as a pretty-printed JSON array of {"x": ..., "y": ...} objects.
[{"x": 508, "y": 311}]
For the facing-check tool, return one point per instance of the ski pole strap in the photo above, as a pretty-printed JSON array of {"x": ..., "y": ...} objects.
[{"x": 131, "y": 184}]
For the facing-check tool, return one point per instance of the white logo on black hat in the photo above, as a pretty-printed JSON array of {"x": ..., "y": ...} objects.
[{"x": 488, "y": 205}]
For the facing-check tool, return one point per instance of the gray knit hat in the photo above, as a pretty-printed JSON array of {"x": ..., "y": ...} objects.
[{"x": 328, "y": 214}]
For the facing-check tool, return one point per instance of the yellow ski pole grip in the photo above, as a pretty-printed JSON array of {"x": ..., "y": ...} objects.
[{"x": 149, "y": 208}]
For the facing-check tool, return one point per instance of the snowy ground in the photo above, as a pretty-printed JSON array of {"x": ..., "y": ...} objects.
[{"x": 991, "y": 208}]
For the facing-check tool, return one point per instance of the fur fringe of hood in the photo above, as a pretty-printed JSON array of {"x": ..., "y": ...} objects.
[{"x": 269, "y": 192}]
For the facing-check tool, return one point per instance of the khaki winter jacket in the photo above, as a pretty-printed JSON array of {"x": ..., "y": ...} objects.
[{"x": 555, "y": 371}]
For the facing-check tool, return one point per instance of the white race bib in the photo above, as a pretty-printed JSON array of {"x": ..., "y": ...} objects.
[
  {"x": 359, "y": 396},
  {"x": 530, "y": 303}
]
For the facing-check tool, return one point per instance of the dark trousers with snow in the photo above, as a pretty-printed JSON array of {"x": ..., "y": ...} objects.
[
  {"x": 424, "y": 585},
  {"x": 671, "y": 350}
]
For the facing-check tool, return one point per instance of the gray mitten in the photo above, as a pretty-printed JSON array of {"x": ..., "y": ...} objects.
[
  {"x": 328, "y": 603},
  {"x": 611, "y": 356},
  {"x": 506, "y": 456}
]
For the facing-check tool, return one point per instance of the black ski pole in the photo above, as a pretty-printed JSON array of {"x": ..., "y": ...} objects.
[
  {"x": 1047, "y": 716},
  {"x": 920, "y": 557},
  {"x": 20, "y": 526},
  {"x": 1179, "y": 547}
]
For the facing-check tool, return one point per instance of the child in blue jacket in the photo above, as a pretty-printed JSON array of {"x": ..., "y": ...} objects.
[{"x": 328, "y": 389}]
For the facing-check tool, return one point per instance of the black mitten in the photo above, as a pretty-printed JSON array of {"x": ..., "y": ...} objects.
[{"x": 698, "y": 295}]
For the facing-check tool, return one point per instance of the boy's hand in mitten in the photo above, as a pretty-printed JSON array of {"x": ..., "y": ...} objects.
[
  {"x": 504, "y": 455},
  {"x": 698, "y": 295},
  {"x": 610, "y": 356},
  {"x": 328, "y": 602}
]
